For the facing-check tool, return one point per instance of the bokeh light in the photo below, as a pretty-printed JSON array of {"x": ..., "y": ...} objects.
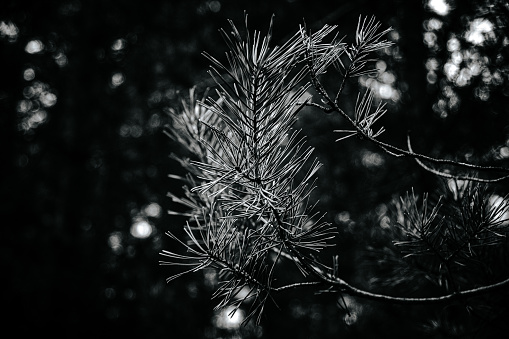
[
  {"x": 34, "y": 47},
  {"x": 117, "y": 79},
  {"x": 229, "y": 318},
  {"x": 9, "y": 30},
  {"x": 441, "y": 7},
  {"x": 29, "y": 74},
  {"x": 153, "y": 210},
  {"x": 480, "y": 30},
  {"x": 141, "y": 229}
]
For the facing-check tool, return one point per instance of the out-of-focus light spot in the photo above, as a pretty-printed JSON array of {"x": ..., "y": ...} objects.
[
  {"x": 155, "y": 97},
  {"x": 381, "y": 66},
  {"x": 9, "y": 30},
  {"x": 479, "y": 30},
  {"x": 136, "y": 131},
  {"x": 433, "y": 24},
  {"x": 141, "y": 229},
  {"x": 456, "y": 57},
  {"x": 453, "y": 44},
  {"x": 210, "y": 278},
  {"x": 60, "y": 59},
  {"x": 124, "y": 130},
  {"x": 192, "y": 290},
  {"x": 115, "y": 242},
  {"x": 451, "y": 71},
  {"x": 498, "y": 79},
  {"x": 440, "y": 107},
  {"x": 37, "y": 96},
  {"x": 432, "y": 64},
  {"x": 24, "y": 106},
  {"x": 214, "y": 6},
  {"x": 381, "y": 210},
  {"x": 371, "y": 159},
  {"x": 48, "y": 99},
  {"x": 387, "y": 78},
  {"x": 118, "y": 45},
  {"x": 297, "y": 310},
  {"x": 504, "y": 152},
  {"x": 34, "y": 46},
  {"x": 153, "y": 210},
  {"x": 156, "y": 289},
  {"x": 33, "y": 120},
  {"x": 441, "y": 7},
  {"x": 486, "y": 76},
  {"x": 35, "y": 90},
  {"x": 38, "y": 117},
  {"x": 448, "y": 91},
  {"x": 431, "y": 77},
  {"x": 342, "y": 217},
  {"x": 475, "y": 68},
  {"x": 354, "y": 310},
  {"x": 229, "y": 318},
  {"x": 350, "y": 318},
  {"x": 382, "y": 87},
  {"x": 463, "y": 78},
  {"x": 154, "y": 121},
  {"x": 454, "y": 102},
  {"x": 430, "y": 39},
  {"x": 29, "y": 74},
  {"x": 117, "y": 79},
  {"x": 385, "y": 91},
  {"x": 482, "y": 93},
  {"x": 396, "y": 95},
  {"x": 394, "y": 35},
  {"x": 244, "y": 291}
]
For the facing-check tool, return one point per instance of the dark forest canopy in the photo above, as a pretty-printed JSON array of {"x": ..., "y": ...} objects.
[{"x": 85, "y": 91}]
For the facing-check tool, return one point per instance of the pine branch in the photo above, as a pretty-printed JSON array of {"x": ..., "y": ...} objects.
[
  {"x": 251, "y": 174},
  {"x": 250, "y": 161},
  {"x": 368, "y": 40},
  {"x": 336, "y": 284}
]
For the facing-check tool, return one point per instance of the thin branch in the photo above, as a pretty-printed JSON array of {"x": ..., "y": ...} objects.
[
  {"x": 399, "y": 152},
  {"x": 460, "y": 177},
  {"x": 353, "y": 291},
  {"x": 342, "y": 286},
  {"x": 296, "y": 285},
  {"x": 367, "y": 39}
]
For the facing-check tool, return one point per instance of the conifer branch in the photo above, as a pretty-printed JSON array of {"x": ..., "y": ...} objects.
[
  {"x": 368, "y": 40},
  {"x": 250, "y": 174}
]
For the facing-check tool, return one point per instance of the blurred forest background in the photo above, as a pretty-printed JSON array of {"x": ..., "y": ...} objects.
[{"x": 84, "y": 91}]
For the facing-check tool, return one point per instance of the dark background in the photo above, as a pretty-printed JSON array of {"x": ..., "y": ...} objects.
[{"x": 84, "y": 87}]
